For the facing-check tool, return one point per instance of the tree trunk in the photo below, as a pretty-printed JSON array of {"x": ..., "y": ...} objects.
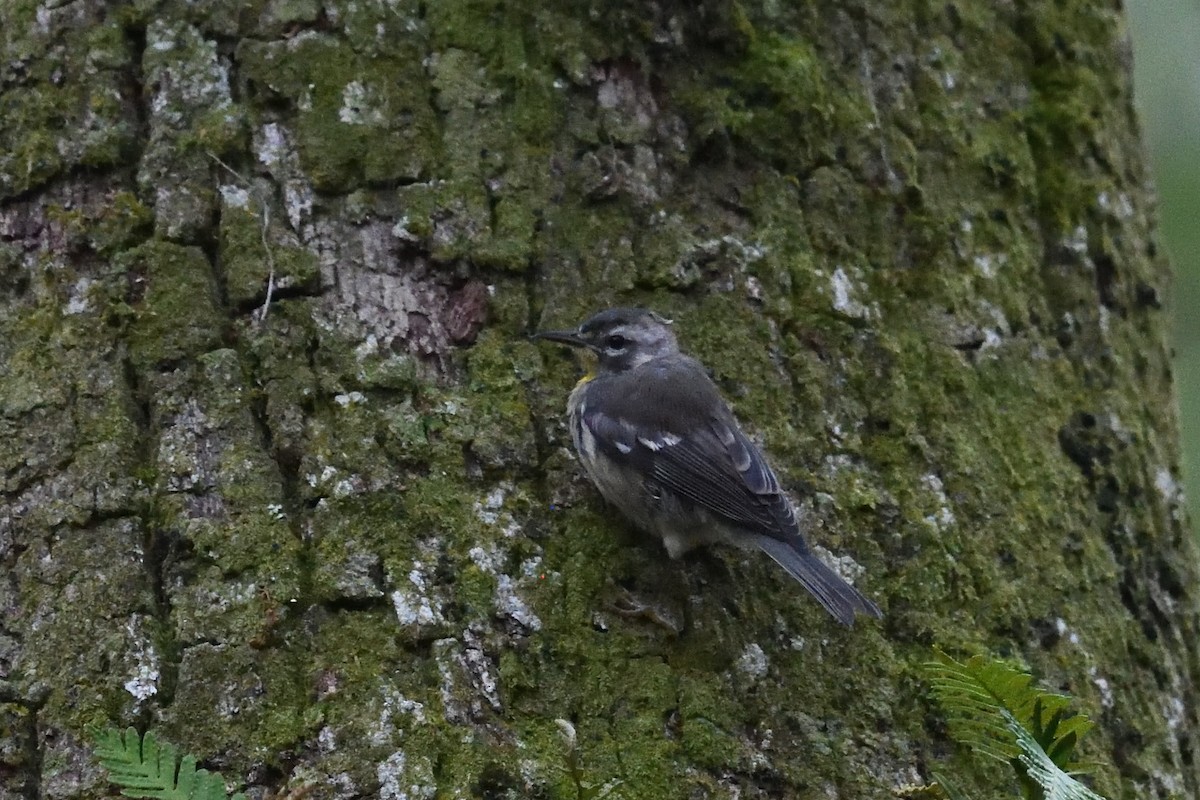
[{"x": 284, "y": 480}]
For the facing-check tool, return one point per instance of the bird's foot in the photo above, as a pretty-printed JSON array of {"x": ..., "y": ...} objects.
[{"x": 629, "y": 607}]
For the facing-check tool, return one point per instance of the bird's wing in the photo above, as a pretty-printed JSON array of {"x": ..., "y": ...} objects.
[{"x": 668, "y": 422}]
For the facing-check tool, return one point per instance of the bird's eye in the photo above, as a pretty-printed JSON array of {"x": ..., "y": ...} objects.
[{"x": 615, "y": 342}]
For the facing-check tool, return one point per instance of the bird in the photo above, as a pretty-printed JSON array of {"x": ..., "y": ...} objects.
[{"x": 659, "y": 442}]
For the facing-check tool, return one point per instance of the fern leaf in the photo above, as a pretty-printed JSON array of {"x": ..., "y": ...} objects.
[
  {"x": 1055, "y": 782},
  {"x": 996, "y": 710},
  {"x": 970, "y": 705},
  {"x": 149, "y": 768},
  {"x": 972, "y": 693}
]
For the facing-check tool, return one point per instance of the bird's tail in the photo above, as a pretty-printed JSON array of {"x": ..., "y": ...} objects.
[{"x": 839, "y": 598}]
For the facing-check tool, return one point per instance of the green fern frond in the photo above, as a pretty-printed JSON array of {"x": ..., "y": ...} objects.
[
  {"x": 971, "y": 694},
  {"x": 996, "y": 710},
  {"x": 1056, "y": 783},
  {"x": 150, "y": 768}
]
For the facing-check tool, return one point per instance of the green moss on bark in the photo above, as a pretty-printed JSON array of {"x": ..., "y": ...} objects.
[{"x": 913, "y": 265}]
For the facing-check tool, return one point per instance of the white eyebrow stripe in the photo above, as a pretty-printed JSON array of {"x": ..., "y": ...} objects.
[{"x": 624, "y": 448}]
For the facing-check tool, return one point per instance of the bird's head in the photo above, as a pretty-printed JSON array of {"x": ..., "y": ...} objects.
[{"x": 621, "y": 338}]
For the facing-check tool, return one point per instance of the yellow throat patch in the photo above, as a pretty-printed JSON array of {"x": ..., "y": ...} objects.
[{"x": 590, "y": 360}]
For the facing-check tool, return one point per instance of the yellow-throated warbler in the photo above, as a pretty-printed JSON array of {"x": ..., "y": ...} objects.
[{"x": 661, "y": 445}]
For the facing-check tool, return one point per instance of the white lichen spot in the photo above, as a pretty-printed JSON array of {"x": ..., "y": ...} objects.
[
  {"x": 326, "y": 740},
  {"x": 234, "y": 196},
  {"x": 328, "y": 473},
  {"x": 844, "y": 566},
  {"x": 844, "y": 301},
  {"x": 368, "y": 348},
  {"x": 479, "y": 666},
  {"x": 350, "y": 398},
  {"x": 1124, "y": 206},
  {"x": 395, "y": 707},
  {"x": 79, "y": 302},
  {"x": 1077, "y": 242},
  {"x": 1166, "y": 485},
  {"x": 994, "y": 336},
  {"x": 1118, "y": 428},
  {"x": 298, "y": 199},
  {"x": 182, "y": 455},
  {"x": 359, "y": 107},
  {"x": 276, "y": 512},
  {"x": 841, "y": 289},
  {"x": 412, "y": 609},
  {"x": 275, "y": 151},
  {"x": 1175, "y": 712},
  {"x": 753, "y": 661},
  {"x": 400, "y": 781},
  {"x": 729, "y": 248},
  {"x": 343, "y": 783},
  {"x": 510, "y": 604},
  {"x": 944, "y": 516},
  {"x": 400, "y": 231},
  {"x": 834, "y": 428},
  {"x": 43, "y": 18},
  {"x": 1103, "y": 686},
  {"x": 489, "y": 560},
  {"x": 1064, "y": 631},
  {"x": 414, "y": 606},
  {"x": 987, "y": 264},
  {"x": 490, "y": 511},
  {"x": 273, "y": 145},
  {"x": 144, "y": 683},
  {"x": 446, "y": 652}
]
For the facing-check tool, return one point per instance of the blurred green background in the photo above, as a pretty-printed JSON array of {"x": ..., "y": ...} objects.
[{"x": 1166, "y": 71}]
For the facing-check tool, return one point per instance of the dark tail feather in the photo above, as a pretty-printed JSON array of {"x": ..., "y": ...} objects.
[{"x": 838, "y": 597}]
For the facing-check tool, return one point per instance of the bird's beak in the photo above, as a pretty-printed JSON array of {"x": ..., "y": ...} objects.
[{"x": 571, "y": 338}]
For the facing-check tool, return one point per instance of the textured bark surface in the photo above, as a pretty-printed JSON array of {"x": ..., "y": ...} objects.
[{"x": 281, "y": 476}]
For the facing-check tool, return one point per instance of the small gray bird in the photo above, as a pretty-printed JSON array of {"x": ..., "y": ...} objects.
[{"x": 661, "y": 445}]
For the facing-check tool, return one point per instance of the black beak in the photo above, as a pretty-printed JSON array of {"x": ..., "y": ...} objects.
[{"x": 571, "y": 338}]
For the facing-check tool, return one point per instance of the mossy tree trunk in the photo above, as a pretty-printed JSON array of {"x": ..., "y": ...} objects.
[{"x": 283, "y": 478}]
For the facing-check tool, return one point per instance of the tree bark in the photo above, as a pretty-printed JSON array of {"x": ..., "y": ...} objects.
[{"x": 284, "y": 479}]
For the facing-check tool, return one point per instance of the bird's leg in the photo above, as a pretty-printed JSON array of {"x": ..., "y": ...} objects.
[{"x": 630, "y": 607}]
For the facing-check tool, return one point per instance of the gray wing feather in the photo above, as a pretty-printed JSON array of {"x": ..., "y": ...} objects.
[{"x": 715, "y": 467}]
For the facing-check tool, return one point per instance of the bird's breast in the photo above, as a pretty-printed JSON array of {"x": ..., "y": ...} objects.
[{"x": 581, "y": 437}]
